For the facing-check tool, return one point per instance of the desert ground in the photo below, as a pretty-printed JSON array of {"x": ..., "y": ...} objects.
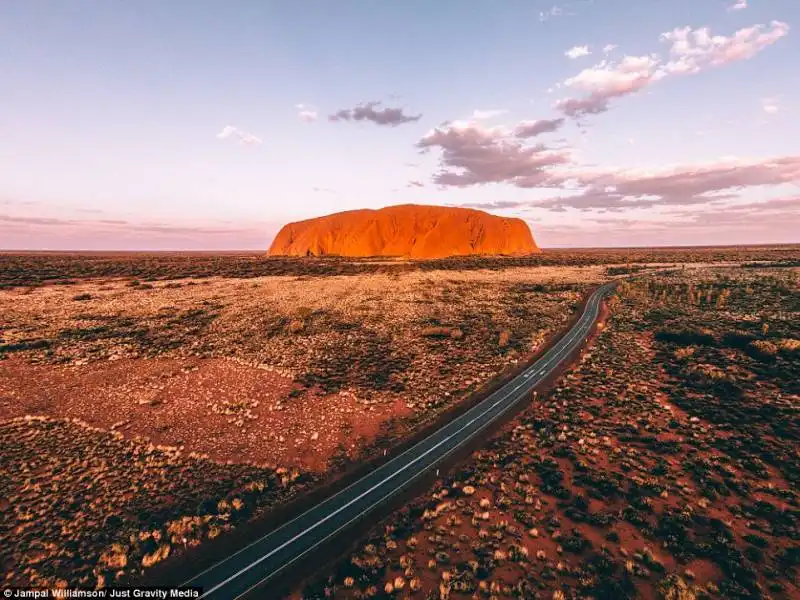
[
  {"x": 151, "y": 402},
  {"x": 277, "y": 381},
  {"x": 665, "y": 464}
]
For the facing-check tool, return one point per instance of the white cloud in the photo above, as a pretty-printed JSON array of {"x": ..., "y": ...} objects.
[
  {"x": 608, "y": 80},
  {"x": 308, "y": 116},
  {"x": 770, "y": 105},
  {"x": 577, "y": 52},
  {"x": 608, "y": 48},
  {"x": 307, "y": 113},
  {"x": 481, "y": 115},
  {"x": 694, "y": 50},
  {"x": 554, "y": 11},
  {"x": 691, "y": 51},
  {"x": 738, "y": 5},
  {"x": 244, "y": 138}
]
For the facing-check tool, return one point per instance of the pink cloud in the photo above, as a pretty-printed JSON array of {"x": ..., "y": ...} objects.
[
  {"x": 307, "y": 113},
  {"x": 473, "y": 155},
  {"x": 31, "y": 233},
  {"x": 708, "y": 230},
  {"x": 529, "y": 129},
  {"x": 617, "y": 190},
  {"x": 691, "y": 51},
  {"x": 485, "y": 114},
  {"x": 772, "y": 221},
  {"x": 244, "y": 137},
  {"x": 770, "y": 106},
  {"x": 606, "y": 81},
  {"x": 694, "y": 50},
  {"x": 712, "y": 177},
  {"x": 785, "y": 203},
  {"x": 681, "y": 185}
]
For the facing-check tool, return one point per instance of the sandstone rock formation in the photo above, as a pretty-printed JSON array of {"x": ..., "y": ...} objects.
[{"x": 409, "y": 230}]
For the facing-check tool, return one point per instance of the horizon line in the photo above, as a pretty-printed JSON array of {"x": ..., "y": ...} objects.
[{"x": 263, "y": 250}]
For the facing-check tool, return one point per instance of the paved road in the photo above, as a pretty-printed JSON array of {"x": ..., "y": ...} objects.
[{"x": 257, "y": 564}]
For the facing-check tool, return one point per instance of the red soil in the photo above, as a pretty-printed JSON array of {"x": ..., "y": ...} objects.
[{"x": 215, "y": 407}]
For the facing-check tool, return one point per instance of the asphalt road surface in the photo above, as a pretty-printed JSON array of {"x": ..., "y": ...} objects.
[{"x": 255, "y": 565}]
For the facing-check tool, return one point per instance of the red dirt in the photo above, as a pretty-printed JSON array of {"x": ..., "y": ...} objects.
[
  {"x": 407, "y": 230},
  {"x": 618, "y": 469},
  {"x": 183, "y": 402}
]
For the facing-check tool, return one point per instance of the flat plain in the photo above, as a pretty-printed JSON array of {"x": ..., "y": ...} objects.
[
  {"x": 665, "y": 464},
  {"x": 151, "y": 402}
]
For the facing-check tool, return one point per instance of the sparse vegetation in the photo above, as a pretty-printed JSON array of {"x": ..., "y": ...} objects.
[
  {"x": 309, "y": 373},
  {"x": 664, "y": 465},
  {"x": 89, "y": 508},
  {"x": 41, "y": 268}
]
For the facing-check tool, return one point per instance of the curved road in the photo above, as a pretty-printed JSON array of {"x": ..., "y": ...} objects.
[{"x": 256, "y": 564}]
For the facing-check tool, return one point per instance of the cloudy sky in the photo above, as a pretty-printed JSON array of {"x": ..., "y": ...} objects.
[{"x": 207, "y": 125}]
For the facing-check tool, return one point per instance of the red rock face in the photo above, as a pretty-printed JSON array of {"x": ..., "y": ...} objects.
[{"x": 409, "y": 230}]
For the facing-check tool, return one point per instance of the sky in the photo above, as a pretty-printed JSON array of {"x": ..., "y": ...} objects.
[{"x": 206, "y": 125}]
